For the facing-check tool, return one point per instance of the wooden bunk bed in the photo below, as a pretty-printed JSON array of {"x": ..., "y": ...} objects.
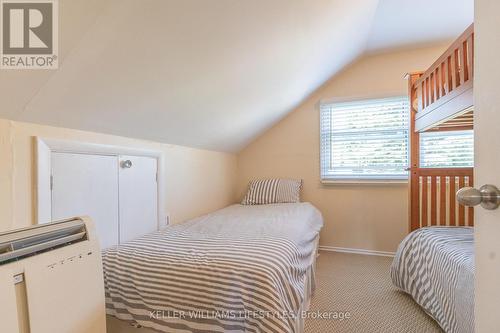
[
  {"x": 441, "y": 99},
  {"x": 443, "y": 284}
]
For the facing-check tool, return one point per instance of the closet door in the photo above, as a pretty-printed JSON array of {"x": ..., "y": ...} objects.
[
  {"x": 138, "y": 197},
  {"x": 87, "y": 185}
]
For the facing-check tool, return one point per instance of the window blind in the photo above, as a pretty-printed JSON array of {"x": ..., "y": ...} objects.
[
  {"x": 453, "y": 149},
  {"x": 365, "y": 139}
]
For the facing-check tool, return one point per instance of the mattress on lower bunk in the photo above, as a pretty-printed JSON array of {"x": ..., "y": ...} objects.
[
  {"x": 240, "y": 269},
  {"x": 435, "y": 265}
]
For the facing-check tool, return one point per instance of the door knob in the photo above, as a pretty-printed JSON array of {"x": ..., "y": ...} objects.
[
  {"x": 487, "y": 195},
  {"x": 126, "y": 164}
]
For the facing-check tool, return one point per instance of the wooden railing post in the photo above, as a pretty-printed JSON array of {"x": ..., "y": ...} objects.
[{"x": 414, "y": 183}]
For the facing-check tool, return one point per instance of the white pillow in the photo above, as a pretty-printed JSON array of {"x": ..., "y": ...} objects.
[{"x": 268, "y": 191}]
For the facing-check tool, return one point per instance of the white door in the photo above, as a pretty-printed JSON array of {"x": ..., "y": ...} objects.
[
  {"x": 87, "y": 185},
  {"x": 487, "y": 162},
  {"x": 138, "y": 196}
]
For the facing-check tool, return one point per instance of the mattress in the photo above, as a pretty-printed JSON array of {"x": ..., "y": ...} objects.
[
  {"x": 435, "y": 265},
  {"x": 239, "y": 269}
]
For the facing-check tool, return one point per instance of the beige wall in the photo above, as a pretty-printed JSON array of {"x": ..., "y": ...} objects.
[
  {"x": 197, "y": 181},
  {"x": 372, "y": 217}
]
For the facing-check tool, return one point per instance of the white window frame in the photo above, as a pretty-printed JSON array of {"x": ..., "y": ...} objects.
[
  {"x": 444, "y": 133},
  {"x": 359, "y": 180}
]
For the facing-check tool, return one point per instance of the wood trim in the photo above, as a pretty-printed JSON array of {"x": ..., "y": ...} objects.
[
  {"x": 442, "y": 200},
  {"x": 470, "y": 218},
  {"x": 465, "y": 35},
  {"x": 436, "y": 197},
  {"x": 425, "y": 200},
  {"x": 461, "y": 208},
  {"x": 470, "y": 210},
  {"x": 433, "y": 201},
  {"x": 447, "y": 84},
  {"x": 414, "y": 188},
  {"x": 445, "y": 171},
  {"x": 452, "y": 200}
]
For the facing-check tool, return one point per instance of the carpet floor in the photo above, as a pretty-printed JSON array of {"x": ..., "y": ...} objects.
[{"x": 358, "y": 288}]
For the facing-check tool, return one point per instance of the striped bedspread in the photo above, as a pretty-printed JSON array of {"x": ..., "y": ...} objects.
[
  {"x": 240, "y": 269},
  {"x": 435, "y": 266}
]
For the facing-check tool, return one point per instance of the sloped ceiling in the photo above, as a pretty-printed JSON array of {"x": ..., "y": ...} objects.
[
  {"x": 410, "y": 23},
  {"x": 209, "y": 74}
]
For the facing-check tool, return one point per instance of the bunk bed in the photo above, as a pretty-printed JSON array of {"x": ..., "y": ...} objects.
[
  {"x": 441, "y": 100},
  {"x": 435, "y": 263}
]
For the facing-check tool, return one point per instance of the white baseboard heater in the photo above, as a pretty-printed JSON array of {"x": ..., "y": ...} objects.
[{"x": 51, "y": 279}]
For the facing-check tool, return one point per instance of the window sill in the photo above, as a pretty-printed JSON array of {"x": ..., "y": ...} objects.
[{"x": 334, "y": 182}]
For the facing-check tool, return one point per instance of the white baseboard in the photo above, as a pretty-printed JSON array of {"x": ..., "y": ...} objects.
[{"x": 356, "y": 251}]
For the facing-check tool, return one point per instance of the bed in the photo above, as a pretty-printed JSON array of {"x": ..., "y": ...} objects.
[
  {"x": 441, "y": 99},
  {"x": 435, "y": 265},
  {"x": 239, "y": 269}
]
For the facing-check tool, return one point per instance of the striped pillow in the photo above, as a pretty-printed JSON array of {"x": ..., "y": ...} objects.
[{"x": 268, "y": 191}]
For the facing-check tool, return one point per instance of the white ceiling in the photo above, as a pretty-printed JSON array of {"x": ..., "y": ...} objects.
[
  {"x": 410, "y": 23},
  {"x": 208, "y": 74}
]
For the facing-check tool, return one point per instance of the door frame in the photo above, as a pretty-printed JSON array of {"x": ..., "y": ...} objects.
[{"x": 44, "y": 147}]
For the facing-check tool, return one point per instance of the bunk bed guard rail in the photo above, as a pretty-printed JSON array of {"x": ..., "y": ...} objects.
[{"x": 447, "y": 84}]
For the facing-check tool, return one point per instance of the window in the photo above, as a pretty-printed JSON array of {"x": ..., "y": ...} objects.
[
  {"x": 365, "y": 139},
  {"x": 454, "y": 149}
]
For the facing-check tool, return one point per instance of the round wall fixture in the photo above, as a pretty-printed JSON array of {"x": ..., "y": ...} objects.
[{"x": 126, "y": 164}]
